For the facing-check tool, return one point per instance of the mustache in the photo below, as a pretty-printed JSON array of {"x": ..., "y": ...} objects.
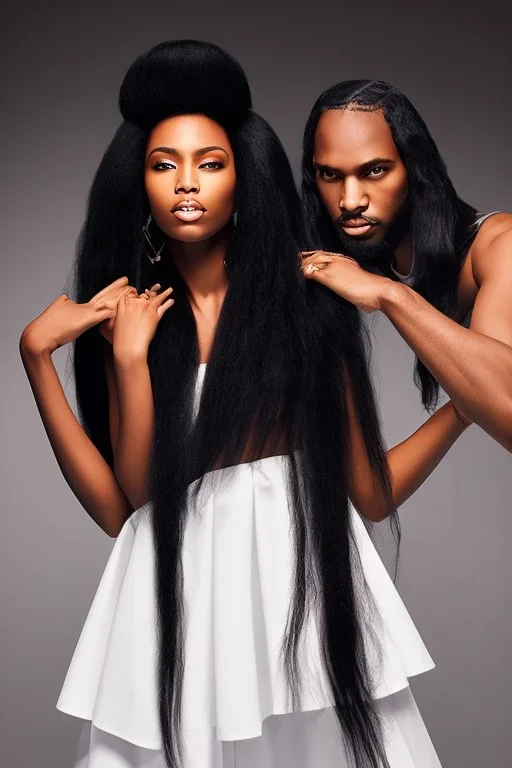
[{"x": 350, "y": 216}]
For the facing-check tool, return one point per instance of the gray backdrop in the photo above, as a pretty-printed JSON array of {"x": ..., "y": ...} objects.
[{"x": 62, "y": 65}]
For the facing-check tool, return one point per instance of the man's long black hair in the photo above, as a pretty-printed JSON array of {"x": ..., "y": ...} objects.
[
  {"x": 439, "y": 219},
  {"x": 284, "y": 352}
]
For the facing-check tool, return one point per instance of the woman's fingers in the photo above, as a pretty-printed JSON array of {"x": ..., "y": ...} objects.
[
  {"x": 163, "y": 307},
  {"x": 112, "y": 297},
  {"x": 161, "y": 297},
  {"x": 150, "y": 293},
  {"x": 117, "y": 285},
  {"x": 112, "y": 301}
]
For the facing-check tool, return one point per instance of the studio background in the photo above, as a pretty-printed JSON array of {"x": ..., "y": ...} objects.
[{"x": 61, "y": 69}]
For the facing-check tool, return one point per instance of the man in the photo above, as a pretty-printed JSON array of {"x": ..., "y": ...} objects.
[{"x": 376, "y": 189}]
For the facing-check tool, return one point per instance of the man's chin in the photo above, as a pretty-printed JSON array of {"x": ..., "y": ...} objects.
[{"x": 369, "y": 253}]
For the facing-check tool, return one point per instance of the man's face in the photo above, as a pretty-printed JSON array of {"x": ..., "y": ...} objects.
[{"x": 361, "y": 179}]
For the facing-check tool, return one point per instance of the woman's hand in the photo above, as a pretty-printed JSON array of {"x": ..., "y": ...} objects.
[
  {"x": 106, "y": 328},
  {"x": 136, "y": 322},
  {"x": 64, "y": 320},
  {"x": 347, "y": 278}
]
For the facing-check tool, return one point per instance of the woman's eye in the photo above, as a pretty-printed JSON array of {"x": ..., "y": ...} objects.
[
  {"x": 163, "y": 165},
  {"x": 212, "y": 165}
]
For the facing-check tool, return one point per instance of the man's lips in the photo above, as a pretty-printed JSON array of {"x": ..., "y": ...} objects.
[{"x": 355, "y": 227}]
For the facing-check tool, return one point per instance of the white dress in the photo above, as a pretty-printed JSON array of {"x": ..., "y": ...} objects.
[{"x": 237, "y": 566}]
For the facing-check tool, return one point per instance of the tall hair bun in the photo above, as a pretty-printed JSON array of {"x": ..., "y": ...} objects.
[{"x": 182, "y": 77}]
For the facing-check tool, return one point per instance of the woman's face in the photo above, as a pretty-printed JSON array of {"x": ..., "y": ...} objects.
[{"x": 190, "y": 177}]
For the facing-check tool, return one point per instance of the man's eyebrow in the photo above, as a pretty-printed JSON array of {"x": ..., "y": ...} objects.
[
  {"x": 361, "y": 169},
  {"x": 197, "y": 153},
  {"x": 377, "y": 161}
]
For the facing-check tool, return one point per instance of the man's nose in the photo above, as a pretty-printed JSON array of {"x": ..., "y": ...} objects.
[{"x": 354, "y": 198}]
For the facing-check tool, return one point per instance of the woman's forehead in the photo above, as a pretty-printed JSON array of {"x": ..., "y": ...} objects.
[{"x": 188, "y": 132}]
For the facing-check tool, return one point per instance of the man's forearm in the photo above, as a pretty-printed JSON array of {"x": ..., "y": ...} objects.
[{"x": 473, "y": 369}]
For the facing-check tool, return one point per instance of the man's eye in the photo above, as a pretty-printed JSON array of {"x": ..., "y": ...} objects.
[
  {"x": 377, "y": 171},
  {"x": 328, "y": 175}
]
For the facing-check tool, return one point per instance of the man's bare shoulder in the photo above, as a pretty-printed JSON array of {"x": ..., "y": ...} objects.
[{"x": 493, "y": 242}]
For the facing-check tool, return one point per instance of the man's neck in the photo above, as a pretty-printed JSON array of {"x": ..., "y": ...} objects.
[{"x": 404, "y": 256}]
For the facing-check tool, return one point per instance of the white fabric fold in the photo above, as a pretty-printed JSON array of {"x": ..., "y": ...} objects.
[
  {"x": 238, "y": 572},
  {"x": 238, "y": 584}
]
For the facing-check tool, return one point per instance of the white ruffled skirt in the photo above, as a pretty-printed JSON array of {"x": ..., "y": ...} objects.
[
  {"x": 298, "y": 740},
  {"x": 238, "y": 583}
]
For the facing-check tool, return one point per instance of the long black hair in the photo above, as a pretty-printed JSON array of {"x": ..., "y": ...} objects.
[
  {"x": 439, "y": 219},
  {"x": 284, "y": 353}
]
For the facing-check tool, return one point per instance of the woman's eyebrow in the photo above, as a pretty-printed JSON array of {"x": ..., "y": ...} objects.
[
  {"x": 197, "y": 153},
  {"x": 167, "y": 150},
  {"x": 205, "y": 150}
]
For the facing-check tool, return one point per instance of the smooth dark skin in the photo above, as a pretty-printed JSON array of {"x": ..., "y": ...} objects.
[
  {"x": 128, "y": 321},
  {"x": 359, "y": 172}
]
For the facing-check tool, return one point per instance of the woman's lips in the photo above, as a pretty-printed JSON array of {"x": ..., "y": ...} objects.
[{"x": 184, "y": 214}]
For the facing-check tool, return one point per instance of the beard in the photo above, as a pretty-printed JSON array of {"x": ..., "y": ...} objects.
[{"x": 375, "y": 256}]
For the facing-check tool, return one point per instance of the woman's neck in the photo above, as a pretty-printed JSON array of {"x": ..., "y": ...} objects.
[{"x": 202, "y": 267}]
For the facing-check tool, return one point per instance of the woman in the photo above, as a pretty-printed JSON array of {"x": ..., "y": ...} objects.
[{"x": 236, "y": 417}]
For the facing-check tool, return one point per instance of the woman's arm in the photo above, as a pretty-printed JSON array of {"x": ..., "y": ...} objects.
[
  {"x": 135, "y": 417},
  {"x": 410, "y": 462},
  {"x": 130, "y": 393},
  {"x": 84, "y": 468}
]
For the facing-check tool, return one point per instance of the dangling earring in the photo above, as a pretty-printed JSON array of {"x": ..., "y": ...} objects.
[
  {"x": 151, "y": 252},
  {"x": 235, "y": 218}
]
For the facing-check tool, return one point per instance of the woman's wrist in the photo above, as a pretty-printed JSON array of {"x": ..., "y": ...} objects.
[{"x": 129, "y": 360}]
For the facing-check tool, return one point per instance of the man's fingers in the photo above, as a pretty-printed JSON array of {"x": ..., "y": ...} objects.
[
  {"x": 317, "y": 263},
  {"x": 319, "y": 257},
  {"x": 305, "y": 254},
  {"x": 316, "y": 272},
  {"x": 309, "y": 256}
]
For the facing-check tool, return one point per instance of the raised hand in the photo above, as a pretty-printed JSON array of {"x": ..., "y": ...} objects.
[
  {"x": 347, "y": 278},
  {"x": 106, "y": 328},
  {"x": 64, "y": 319},
  {"x": 136, "y": 322}
]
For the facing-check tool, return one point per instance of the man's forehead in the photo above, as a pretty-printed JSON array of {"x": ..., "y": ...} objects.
[{"x": 354, "y": 132}]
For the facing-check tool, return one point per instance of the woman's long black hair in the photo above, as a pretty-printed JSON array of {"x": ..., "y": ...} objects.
[
  {"x": 440, "y": 220},
  {"x": 284, "y": 352}
]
